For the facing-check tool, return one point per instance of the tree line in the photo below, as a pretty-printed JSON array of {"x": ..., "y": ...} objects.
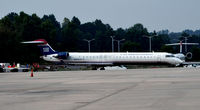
[{"x": 70, "y": 34}]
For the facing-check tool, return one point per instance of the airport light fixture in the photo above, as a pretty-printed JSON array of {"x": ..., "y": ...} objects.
[
  {"x": 118, "y": 42},
  {"x": 150, "y": 37},
  {"x": 186, "y": 38},
  {"x": 112, "y": 37},
  {"x": 88, "y": 43}
]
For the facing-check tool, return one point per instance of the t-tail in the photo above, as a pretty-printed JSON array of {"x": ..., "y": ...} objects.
[
  {"x": 45, "y": 48},
  {"x": 48, "y": 53}
]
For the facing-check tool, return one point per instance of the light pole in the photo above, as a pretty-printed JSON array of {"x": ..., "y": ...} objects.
[
  {"x": 118, "y": 42},
  {"x": 88, "y": 43},
  {"x": 186, "y": 38},
  {"x": 181, "y": 46},
  {"x": 112, "y": 37},
  {"x": 150, "y": 37}
]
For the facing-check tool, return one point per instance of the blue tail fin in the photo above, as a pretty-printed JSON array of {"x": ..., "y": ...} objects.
[{"x": 45, "y": 48}]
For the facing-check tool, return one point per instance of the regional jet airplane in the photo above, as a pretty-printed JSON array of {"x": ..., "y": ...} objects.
[{"x": 102, "y": 59}]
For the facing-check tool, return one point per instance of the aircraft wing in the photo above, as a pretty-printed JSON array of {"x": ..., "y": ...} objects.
[{"x": 191, "y": 63}]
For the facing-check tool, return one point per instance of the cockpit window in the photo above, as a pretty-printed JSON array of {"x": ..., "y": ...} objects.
[{"x": 169, "y": 56}]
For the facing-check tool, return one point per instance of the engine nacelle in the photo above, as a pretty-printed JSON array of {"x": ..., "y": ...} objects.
[
  {"x": 188, "y": 55},
  {"x": 62, "y": 55}
]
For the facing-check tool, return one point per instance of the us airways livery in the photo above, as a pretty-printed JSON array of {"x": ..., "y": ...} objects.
[{"x": 101, "y": 59}]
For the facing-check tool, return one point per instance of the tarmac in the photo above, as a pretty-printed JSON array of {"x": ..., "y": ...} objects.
[{"x": 136, "y": 89}]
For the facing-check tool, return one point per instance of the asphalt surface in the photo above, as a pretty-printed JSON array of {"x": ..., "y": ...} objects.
[{"x": 138, "y": 89}]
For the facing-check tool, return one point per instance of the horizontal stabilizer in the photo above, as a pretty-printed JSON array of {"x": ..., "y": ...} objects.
[
  {"x": 183, "y": 44},
  {"x": 33, "y": 42},
  {"x": 39, "y": 41}
]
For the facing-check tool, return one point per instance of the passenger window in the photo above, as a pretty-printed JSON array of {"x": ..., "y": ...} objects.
[{"x": 169, "y": 56}]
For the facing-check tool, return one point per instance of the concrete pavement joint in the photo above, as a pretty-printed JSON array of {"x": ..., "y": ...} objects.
[{"x": 110, "y": 95}]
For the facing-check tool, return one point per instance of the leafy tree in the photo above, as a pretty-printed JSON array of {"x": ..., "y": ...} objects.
[
  {"x": 159, "y": 41},
  {"x": 136, "y": 34},
  {"x": 131, "y": 47},
  {"x": 196, "y": 53},
  {"x": 120, "y": 33},
  {"x": 167, "y": 49},
  {"x": 70, "y": 33},
  {"x": 66, "y": 21},
  {"x": 76, "y": 21},
  {"x": 15, "y": 28}
]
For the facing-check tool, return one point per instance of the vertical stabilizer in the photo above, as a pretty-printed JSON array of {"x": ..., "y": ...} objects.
[{"x": 45, "y": 48}]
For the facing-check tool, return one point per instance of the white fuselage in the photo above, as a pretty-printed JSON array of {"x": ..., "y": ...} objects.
[{"x": 116, "y": 58}]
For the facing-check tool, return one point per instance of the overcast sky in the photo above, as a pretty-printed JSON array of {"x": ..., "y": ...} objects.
[{"x": 175, "y": 15}]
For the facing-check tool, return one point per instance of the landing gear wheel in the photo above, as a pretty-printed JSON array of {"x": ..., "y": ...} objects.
[{"x": 102, "y": 68}]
